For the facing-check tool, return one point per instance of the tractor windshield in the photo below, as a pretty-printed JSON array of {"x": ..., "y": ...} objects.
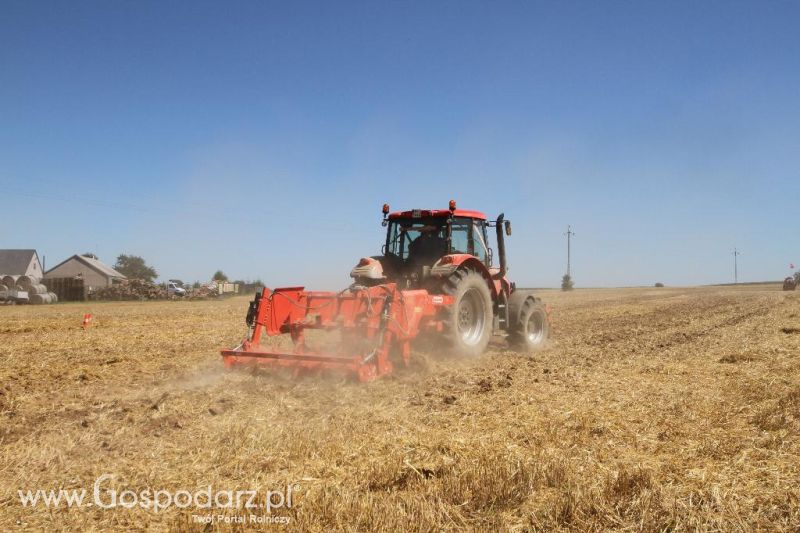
[
  {"x": 417, "y": 237},
  {"x": 424, "y": 240}
]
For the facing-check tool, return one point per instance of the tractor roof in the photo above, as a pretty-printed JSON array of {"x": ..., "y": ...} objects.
[{"x": 437, "y": 213}]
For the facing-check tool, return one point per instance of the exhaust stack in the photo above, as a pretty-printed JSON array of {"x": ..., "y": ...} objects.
[{"x": 501, "y": 245}]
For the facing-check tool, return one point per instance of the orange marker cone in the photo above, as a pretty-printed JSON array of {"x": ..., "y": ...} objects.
[{"x": 87, "y": 320}]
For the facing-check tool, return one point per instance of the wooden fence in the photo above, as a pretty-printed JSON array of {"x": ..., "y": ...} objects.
[{"x": 67, "y": 289}]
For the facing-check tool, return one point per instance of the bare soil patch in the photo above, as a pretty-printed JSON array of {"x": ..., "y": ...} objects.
[{"x": 653, "y": 410}]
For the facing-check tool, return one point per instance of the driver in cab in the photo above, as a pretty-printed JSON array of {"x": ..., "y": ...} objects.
[{"x": 428, "y": 247}]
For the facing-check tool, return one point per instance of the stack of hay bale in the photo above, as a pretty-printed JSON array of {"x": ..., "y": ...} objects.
[
  {"x": 25, "y": 289},
  {"x": 8, "y": 287},
  {"x": 37, "y": 291}
]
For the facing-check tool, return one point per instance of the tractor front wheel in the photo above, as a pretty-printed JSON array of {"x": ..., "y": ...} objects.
[
  {"x": 532, "y": 328},
  {"x": 468, "y": 322}
]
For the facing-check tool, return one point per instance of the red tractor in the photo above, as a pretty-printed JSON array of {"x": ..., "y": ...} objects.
[{"x": 435, "y": 276}]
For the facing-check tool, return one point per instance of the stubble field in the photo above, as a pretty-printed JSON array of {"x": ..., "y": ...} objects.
[{"x": 651, "y": 409}]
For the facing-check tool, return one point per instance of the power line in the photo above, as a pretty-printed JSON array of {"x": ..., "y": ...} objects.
[{"x": 736, "y": 255}]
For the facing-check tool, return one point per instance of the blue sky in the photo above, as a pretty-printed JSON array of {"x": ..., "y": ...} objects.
[{"x": 262, "y": 138}]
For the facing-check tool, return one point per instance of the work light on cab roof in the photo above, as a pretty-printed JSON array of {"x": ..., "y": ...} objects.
[{"x": 437, "y": 274}]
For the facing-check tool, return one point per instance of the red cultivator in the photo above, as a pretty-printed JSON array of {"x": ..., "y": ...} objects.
[
  {"x": 375, "y": 322},
  {"x": 436, "y": 274}
]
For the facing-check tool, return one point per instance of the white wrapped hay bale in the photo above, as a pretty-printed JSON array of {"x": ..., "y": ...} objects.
[
  {"x": 10, "y": 282},
  {"x": 53, "y": 297},
  {"x": 38, "y": 289},
  {"x": 39, "y": 299},
  {"x": 27, "y": 281}
]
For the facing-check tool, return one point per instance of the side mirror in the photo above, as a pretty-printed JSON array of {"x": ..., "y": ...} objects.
[{"x": 508, "y": 227}]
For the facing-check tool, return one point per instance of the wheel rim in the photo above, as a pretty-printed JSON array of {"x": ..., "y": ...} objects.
[
  {"x": 535, "y": 328},
  {"x": 471, "y": 317}
]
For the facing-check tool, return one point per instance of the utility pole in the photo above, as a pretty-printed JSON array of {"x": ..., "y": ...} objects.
[
  {"x": 735, "y": 266},
  {"x": 569, "y": 235}
]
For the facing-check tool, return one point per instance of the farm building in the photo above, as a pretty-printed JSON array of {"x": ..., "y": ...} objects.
[
  {"x": 94, "y": 272},
  {"x": 20, "y": 263}
]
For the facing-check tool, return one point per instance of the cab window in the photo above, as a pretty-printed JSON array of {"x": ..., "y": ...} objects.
[
  {"x": 405, "y": 236},
  {"x": 460, "y": 236},
  {"x": 479, "y": 241}
]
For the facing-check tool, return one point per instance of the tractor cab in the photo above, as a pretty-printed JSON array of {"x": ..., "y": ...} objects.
[
  {"x": 417, "y": 240},
  {"x": 423, "y": 237},
  {"x": 424, "y": 245}
]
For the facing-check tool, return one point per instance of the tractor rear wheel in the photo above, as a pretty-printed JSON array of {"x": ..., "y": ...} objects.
[
  {"x": 532, "y": 328},
  {"x": 468, "y": 322}
]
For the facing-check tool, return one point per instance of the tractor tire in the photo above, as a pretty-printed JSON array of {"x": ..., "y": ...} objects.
[
  {"x": 468, "y": 322},
  {"x": 532, "y": 328}
]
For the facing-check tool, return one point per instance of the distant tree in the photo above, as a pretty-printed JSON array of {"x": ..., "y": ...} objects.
[
  {"x": 90, "y": 255},
  {"x": 659, "y": 284},
  {"x": 258, "y": 283},
  {"x": 566, "y": 283},
  {"x": 797, "y": 277},
  {"x": 219, "y": 275},
  {"x": 196, "y": 285},
  {"x": 134, "y": 267}
]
